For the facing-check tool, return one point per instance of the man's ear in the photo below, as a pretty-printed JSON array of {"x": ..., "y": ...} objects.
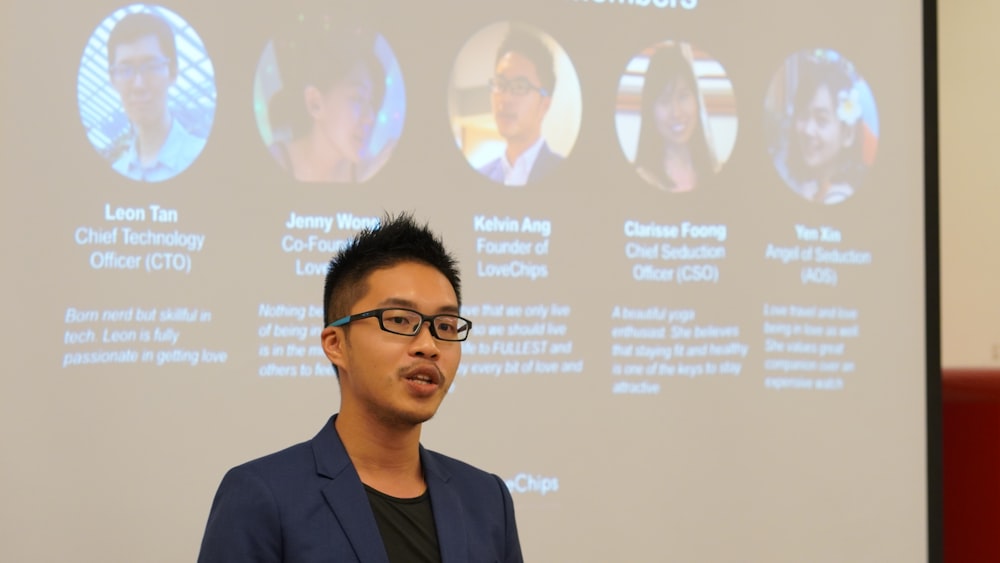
[
  {"x": 313, "y": 100},
  {"x": 335, "y": 345},
  {"x": 546, "y": 102}
]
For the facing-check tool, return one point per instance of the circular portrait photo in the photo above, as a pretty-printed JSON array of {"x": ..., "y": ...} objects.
[
  {"x": 676, "y": 116},
  {"x": 514, "y": 103},
  {"x": 146, "y": 91},
  {"x": 822, "y": 126},
  {"x": 329, "y": 100}
]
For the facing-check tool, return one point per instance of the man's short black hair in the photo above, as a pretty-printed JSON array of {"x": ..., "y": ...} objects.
[
  {"x": 314, "y": 53},
  {"x": 134, "y": 27},
  {"x": 530, "y": 46},
  {"x": 395, "y": 240}
]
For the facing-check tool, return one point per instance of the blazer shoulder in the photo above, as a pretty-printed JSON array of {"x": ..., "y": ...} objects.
[
  {"x": 453, "y": 463},
  {"x": 283, "y": 457},
  {"x": 448, "y": 468},
  {"x": 492, "y": 170},
  {"x": 293, "y": 461},
  {"x": 546, "y": 162}
]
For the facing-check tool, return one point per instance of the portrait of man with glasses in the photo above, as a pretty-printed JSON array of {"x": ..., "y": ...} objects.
[
  {"x": 365, "y": 489},
  {"x": 521, "y": 91},
  {"x": 142, "y": 66}
]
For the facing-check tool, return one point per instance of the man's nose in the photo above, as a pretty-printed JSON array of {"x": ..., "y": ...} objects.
[
  {"x": 503, "y": 92},
  {"x": 424, "y": 343}
]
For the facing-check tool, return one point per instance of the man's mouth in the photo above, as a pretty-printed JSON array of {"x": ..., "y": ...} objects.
[
  {"x": 424, "y": 376},
  {"x": 139, "y": 102},
  {"x": 425, "y": 379}
]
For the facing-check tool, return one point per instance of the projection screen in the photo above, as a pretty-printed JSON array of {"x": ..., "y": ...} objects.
[{"x": 701, "y": 329}]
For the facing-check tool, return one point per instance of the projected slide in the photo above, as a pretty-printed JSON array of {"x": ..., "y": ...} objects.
[
  {"x": 690, "y": 236},
  {"x": 329, "y": 100}
]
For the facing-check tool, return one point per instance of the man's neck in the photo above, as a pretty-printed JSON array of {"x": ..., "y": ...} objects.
[
  {"x": 386, "y": 458},
  {"x": 517, "y": 147},
  {"x": 151, "y": 138},
  {"x": 314, "y": 160}
]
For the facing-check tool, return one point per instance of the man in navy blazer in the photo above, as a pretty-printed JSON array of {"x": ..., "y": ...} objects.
[
  {"x": 545, "y": 162},
  {"x": 521, "y": 93},
  {"x": 364, "y": 489}
]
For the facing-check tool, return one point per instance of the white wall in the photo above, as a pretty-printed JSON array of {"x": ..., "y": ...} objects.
[{"x": 969, "y": 97}]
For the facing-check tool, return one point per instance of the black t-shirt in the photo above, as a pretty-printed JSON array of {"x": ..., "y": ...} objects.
[{"x": 407, "y": 527}]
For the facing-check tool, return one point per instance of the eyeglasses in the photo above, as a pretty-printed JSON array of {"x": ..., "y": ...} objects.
[
  {"x": 407, "y": 322},
  {"x": 128, "y": 71},
  {"x": 517, "y": 86}
]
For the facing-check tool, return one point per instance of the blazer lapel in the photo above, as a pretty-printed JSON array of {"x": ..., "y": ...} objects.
[
  {"x": 346, "y": 496},
  {"x": 350, "y": 504},
  {"x": 449, "y": 517}
]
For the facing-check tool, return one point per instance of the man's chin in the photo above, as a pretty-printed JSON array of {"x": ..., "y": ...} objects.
[
  {"x": 506, "y": 127},
  {"x": 409, "y": 420},
  {"x": 145, "y": 117}
]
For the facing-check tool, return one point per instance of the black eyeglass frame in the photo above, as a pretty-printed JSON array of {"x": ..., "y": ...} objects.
[
  {"x": 128, "y": 71},
  {"x": 462, "y": 334},
  {"x": 500, "y": 84}
]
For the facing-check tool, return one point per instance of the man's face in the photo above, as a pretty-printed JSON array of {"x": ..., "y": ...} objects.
[
  {"x": 344, "y": 114},
  {"x": 141, "y": 74},
  {"x": 383, "y": 375},
  {"x": 518, "y": 117}
]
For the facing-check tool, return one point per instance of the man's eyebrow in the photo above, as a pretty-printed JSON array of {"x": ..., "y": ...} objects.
[
  {"x": 359, "y": 83},
  {"x": 515, "y": 78},
  {"x": 401, "y": 302},
  {"x": 141, "y": 58}
]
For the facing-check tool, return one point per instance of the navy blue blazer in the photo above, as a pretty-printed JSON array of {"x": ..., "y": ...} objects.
[
  {"x": 545, "y": 162},
  {"x": 306, "y": 504}
]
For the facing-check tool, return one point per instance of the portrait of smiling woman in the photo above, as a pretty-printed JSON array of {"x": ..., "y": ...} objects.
[
  {"x": 324, "y": 104},
  {"x": 673, "y": 152},
  {"x": 676, "y": 140}
]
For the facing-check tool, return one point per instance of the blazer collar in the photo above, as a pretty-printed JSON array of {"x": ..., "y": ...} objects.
[
  {"x": 346, "y": 496},
  {"x": 449, "y": 516}
]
